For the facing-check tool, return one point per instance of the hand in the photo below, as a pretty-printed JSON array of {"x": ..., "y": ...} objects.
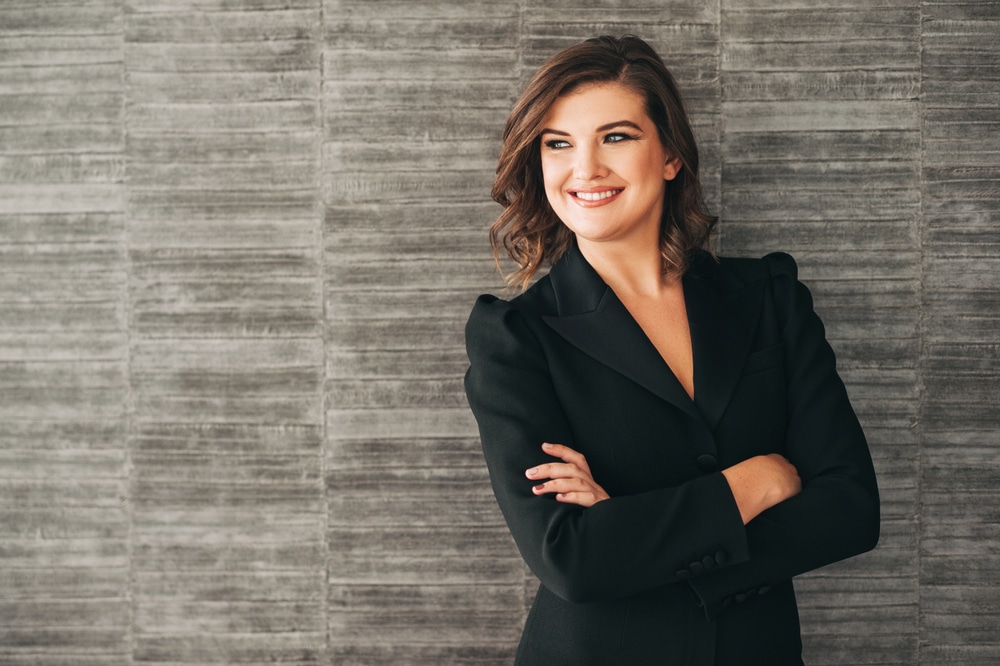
[
  {"x": 760, "y": 482},
  {"x": 570, "y": 480}
]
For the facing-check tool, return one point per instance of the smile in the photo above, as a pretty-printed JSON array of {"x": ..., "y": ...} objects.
[{"x": 596, "y": 196}]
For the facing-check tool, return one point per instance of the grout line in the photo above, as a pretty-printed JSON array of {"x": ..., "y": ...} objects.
[
  {"x": 921, "y": 337},
  {"x": 720, "y": 226},
  {"x": 130, "y": 427},
  {"x": 320, "y": 161}
]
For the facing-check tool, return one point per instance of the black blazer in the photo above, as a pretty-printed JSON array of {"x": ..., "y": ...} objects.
[{"x": 665, "y": 572}]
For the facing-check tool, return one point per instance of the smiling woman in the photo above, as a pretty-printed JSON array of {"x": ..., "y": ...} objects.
[
  {"x": 590, "y": 163},
  {"x": 528, "y": 229},
  {"x": 666, "y": 433}
]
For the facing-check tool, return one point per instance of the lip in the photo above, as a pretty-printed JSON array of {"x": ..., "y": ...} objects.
[{"x": 595, "y": 196}]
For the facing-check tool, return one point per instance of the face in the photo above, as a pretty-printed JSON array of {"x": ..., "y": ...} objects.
[{"x": 604, "y": 166}]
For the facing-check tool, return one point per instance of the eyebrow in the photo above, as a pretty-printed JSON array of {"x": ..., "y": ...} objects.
[{"x": 602, "y": 128}]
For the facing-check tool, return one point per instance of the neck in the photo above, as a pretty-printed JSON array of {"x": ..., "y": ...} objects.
[{"x": 629, "y": 269}]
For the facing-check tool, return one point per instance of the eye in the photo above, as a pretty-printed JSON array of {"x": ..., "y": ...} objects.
[
  {"x": 556, "y": 144},
  {"x": 618, "y": 137}
]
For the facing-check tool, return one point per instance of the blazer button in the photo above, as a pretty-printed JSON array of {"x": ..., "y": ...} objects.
[
  {"x": 709, "y": 562},
  {"x": 721, "y": 557},
  {"x": 696, "y": 568},
  {"x": 707, "y": 463},
  {"x": 740, "y": 598},
  {"x": 727, "y": 602},
  {"x": 763, "y": 589},
  {"x": 683, "y": 574}
]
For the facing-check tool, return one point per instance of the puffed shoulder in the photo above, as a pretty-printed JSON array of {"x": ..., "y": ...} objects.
[
  {"x": 500, "y": 343},
  {"x": 735, "y": 273},
  {"x": 486, "y": 302},
  {"x": 781, "y": 263},
  {"x": 495, "y": 324},
  {"x": 488, "y": 312}
]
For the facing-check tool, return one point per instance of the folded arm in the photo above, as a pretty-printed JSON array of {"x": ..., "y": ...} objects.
[{"x": 619, "y": 546}]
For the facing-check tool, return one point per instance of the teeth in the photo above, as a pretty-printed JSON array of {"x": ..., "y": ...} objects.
[{"x": 596, "y": 196}]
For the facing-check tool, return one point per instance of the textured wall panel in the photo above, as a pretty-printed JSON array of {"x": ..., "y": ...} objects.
[
  {"x": 960, "y": 566},
  {"x": 414, "y": 97},
  {"x": 821, "y": 158},
  {"x": 225, "y": 318},
  {"x": 63, "y": 352}
]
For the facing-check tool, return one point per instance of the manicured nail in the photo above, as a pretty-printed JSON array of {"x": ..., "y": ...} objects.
[
  {"x": 546, "y": 445},
  {"x": 539, "y": 487},
  {"x": 533, "y": 471}
]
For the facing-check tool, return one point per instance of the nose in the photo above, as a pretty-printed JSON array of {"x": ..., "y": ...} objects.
[{"x": 588, "y": 164}]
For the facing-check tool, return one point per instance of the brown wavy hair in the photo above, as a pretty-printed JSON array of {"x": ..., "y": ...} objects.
[{"x": 527, "y": 228}]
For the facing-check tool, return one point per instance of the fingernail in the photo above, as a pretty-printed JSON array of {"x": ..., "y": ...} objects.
[
  {"x": 546, "y": 445},
  {"x": 533, "y": 471},
  {"x": 540, "y": 486}
]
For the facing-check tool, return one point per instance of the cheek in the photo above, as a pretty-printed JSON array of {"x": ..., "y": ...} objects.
[
  {"x": 550, "y": 179},
  {"x": 652, "y": 169},
  {"x": 548, "y": 170}
]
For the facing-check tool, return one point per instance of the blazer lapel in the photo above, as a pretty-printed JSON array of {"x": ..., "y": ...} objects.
[
  {"x": 592, "y": 319},
  {"x": 722, "y": 316}
]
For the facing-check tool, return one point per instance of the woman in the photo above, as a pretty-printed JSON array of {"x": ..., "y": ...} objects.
[{"x": 665, "y": 431}]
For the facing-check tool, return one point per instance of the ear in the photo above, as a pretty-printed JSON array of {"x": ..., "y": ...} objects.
[{"x": 672, "y": 167}]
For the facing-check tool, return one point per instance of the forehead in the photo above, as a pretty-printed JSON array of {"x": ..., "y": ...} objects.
[{"x": 595, "y": 104}]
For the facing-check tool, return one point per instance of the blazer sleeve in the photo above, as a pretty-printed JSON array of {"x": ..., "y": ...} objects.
[
  {"x": 618, "y": 547},
  {"x": 837, "y": 513}
]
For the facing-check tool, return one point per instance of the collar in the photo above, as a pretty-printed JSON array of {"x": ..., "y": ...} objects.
[{"x": 722, "y": 316}]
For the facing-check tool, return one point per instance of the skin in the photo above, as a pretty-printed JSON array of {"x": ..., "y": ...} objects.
[
  {"x": 598, "y": 141},
  {"x": 604, "y": 169}
]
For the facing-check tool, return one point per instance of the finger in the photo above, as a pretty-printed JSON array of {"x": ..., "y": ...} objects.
[
  {"x": 585, "y": 500},
  {"x": 573, "y": 485},
  {"x": 556, "y": 471},
  {"x": 566, "y": 454}
]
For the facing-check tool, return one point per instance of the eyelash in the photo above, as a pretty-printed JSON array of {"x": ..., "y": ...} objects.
[
  {"x": 613, "y": 137},
  {"x": 623, "y": 137}
]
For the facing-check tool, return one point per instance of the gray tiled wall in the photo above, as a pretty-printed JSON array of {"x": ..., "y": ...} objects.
[{"x": 239, "y": 240}]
